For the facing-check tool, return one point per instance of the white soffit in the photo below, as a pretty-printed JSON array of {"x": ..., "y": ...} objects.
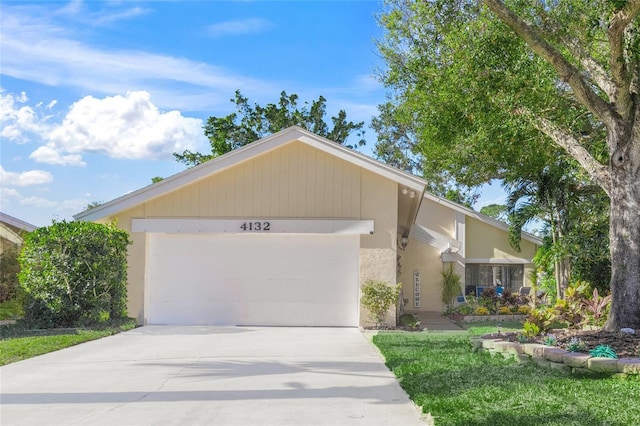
[
  {"x": 253, "y": 225},
  {"x": 434, "y": 239}
]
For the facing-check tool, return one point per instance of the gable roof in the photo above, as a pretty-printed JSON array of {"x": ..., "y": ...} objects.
[
  {"x": 264, "y": 145},
  {"x": 16, "y": 223},
  {"x": 245, "y": 153}
]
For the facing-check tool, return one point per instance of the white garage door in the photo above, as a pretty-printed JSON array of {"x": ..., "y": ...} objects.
[{"x": 223, "y": 279}]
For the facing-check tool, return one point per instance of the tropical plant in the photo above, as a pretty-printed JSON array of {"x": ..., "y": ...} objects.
[
  {"x": 250, "y": 123},
  {"x": 482, "y": 311},
  {"x": 378, "y": 297},
  {"x": 543, "y": 318},
  {"x": 74, "y": 273},
  {"x": 449, "y": 285},
  {"x": 530, "y": 330},
  {"x": 603, "y": 351},
  {"x": 596, "y": 309}
]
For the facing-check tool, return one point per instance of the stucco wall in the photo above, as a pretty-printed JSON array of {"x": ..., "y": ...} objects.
[{"x": 486, "y": 241}]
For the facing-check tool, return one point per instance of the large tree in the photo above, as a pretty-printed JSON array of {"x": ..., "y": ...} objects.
[
  {"x": 492, "y": 88},
  {"x": 252, "y": 122}
]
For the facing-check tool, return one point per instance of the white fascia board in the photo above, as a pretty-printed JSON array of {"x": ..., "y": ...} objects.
[
  {"x": 481, "y": 217},
  {"x": 498, "y": 260},
  {"x": 253, "y": 226},
  {"x": 247, "y": 152},
  {"x": 20, "y": 224}
]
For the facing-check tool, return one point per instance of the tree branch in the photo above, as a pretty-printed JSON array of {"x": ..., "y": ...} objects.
[
  {"x": 619, "y": 71},
  {"x": 599, "y": 173},
  {"x": 568, "y": 73},
  {"x": 595, "y": 70}
]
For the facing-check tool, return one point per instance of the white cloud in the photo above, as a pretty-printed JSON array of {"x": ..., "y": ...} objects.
[
  {"x": 18, "y": 122},
  {"x": 244, "y": 26},
  {"x": 51, "y": 155},
  {"x": 28, "y": 178},
  {"x": 129, "y": 127},
  {"x": 35, "y": 49}
]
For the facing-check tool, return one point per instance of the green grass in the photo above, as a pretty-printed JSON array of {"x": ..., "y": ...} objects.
[
  {"x": 18, "y": 343},
  {"x": 460, "y": 387}
]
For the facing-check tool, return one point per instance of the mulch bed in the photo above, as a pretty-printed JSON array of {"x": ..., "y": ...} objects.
[{"x": 626, "y": 345}]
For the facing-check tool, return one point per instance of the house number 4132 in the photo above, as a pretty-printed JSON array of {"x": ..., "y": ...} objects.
[{"x": 255, "y": 226}]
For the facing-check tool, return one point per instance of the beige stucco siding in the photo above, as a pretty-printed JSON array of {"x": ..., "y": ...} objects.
[
  {"x": 425, "y": 259},
  {"x": 486, "y": 241},
  {"x": 292, "y": 181}
]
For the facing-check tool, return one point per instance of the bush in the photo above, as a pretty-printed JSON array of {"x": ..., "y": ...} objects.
[
  {"x": 482, "y": 311},
  {"x": 9, "y": 268},
  {"x": 74, "y": 274},
  {"x": 504, "y": 310},
  {"x": 409, "y": 321},
  {"x": 378, "y": 298}
]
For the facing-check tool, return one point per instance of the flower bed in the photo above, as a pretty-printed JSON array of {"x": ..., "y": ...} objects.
[{"x": 555, "y": 358}]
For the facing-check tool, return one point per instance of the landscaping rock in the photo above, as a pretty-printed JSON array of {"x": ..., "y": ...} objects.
[
  {"x": 603, "y": 365},
  {"x": 629, "y": 365},
  {"x": 576, "y": 359},
  {"x": 554, "y": 354}
]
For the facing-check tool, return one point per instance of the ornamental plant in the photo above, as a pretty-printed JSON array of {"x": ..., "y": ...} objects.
[
  {"x": 481, "y": 310},
  {"x": 576, "y": 345},
  {"x": 378, "y": 297},
  {"x": 74, "y": 274},
  {"x": 504, "y": 310},
  {"x": 603, "y": 351},
  {"x": 530, "y": 330}
]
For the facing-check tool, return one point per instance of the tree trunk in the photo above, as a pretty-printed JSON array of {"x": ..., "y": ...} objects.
[{"x": 624, "y": 235}]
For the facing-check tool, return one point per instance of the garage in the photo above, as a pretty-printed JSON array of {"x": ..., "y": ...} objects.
[{"x": 253, "y": 279}]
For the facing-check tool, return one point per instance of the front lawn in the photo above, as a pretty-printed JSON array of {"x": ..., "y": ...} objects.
[
  {"x": 460, "y": 387},
  {"x": 17, "y": 343}
]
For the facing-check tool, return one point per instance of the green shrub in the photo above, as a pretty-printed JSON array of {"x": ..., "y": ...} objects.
[
  {"x": 481, "y": 310},
  {"x": 409, "y": 321},
  {"x": 530, "y": 329},
  {"x": 9, "y": 268},
  {"x": 378, "y": 297},
  {"x": 543, "y": 318},
  {"x": 504, "y": 310},
  {"x": 73, "y": 274}
]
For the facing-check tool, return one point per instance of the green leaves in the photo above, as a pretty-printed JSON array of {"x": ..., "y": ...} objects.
[
  {"x": 253, "y": 122},
  {"x": 378, "y": 297},
  {"x": 74, "y": 273}
]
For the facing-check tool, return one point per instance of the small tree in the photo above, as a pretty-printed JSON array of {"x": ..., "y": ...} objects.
[
  {"x": 378, "y": 297},
  {"x": 9, "y": 268},
  {"x": 450, "y": 285},
  {"x": 74, "y": 273}
]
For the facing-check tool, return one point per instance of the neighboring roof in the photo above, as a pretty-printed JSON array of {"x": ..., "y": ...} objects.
[
  {"x": 245, "y": 153},
  {"x": 267, "y": 144},
  {"x": 16, "y": 223}
]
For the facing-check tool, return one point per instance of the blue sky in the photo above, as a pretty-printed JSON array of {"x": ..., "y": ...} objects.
[{"x": 96, "y": 96}]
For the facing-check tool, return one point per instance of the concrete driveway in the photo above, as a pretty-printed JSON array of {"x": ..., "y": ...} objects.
[{"x": 208, "y": 376}]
